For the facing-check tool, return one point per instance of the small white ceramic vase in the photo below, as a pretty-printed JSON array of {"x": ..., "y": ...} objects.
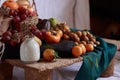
[{"x": 29, "y": 51}]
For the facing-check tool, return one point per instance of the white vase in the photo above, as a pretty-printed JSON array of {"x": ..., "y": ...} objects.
[{"x": 29, "y": 51}]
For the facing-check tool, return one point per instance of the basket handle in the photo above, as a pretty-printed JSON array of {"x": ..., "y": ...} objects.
[
  {"x": 34, "y": 5},
  {"x": 2, "y": 48}
]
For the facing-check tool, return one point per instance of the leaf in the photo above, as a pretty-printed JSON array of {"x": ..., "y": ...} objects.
[
  {"x": 49, "y": 47},
  {"x": 56, "y": 54}
]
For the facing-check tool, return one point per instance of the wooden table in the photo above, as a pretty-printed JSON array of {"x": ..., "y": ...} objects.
[{"x": 40, "y": 70}]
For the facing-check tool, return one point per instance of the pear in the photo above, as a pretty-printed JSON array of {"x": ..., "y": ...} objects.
[{"x": 53, "y": 22}]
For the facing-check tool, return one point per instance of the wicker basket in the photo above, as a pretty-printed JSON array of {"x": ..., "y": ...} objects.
[{"x": 109, "y": 70}]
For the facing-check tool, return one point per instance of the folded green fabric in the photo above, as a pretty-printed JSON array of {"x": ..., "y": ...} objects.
[{"x": 94, "y": 63}]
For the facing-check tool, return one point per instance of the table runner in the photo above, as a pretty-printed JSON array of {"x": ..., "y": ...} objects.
[{"x": 94, "y": 63}]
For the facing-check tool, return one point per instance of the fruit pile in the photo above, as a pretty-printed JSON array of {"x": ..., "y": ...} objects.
[
  {"x": 22, "y": 15},
  {"x": 25, "y": 22},
  {"x": 54, "y": 32}
]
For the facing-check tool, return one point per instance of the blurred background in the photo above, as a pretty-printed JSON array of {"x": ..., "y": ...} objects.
[{"x": 105, "y": 18}]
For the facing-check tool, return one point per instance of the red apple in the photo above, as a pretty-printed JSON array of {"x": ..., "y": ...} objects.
[
  {"x": 38, "y": 34},
  {"x": 43, "y": 31}
]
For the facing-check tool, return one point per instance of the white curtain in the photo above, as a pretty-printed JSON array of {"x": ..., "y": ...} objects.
[
  {"x": 74, "y": 12},
  {"x": 82, "y": 17},
  {"x": 60, "y": 9}
]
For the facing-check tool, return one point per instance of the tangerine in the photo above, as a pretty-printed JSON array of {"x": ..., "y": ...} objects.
[
  {"x": 83, "y": 48},
  {"x": 89, "y": 47},
  {"x": 49, "y": 54},
  {"x": 77, "y": 51},
  {"x": 11, "y": 4}
]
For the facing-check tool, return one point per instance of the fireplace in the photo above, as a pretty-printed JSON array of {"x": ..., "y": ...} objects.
[{"x": 105, "y": 18}]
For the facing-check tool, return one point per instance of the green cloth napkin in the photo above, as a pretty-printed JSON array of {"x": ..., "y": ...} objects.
[{"x": 94, "y": 63}]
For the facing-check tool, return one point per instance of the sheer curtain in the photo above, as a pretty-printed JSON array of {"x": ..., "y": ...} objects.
[
  {"x": 82, "y": 17},
  {"x": 74, "y": 12},
  {"x": 59, "y": 9}
]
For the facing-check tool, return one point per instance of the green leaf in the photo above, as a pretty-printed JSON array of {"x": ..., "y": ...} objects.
[
  {"x": 49, "y": 47},
  {"x": 56, "y": 54}
]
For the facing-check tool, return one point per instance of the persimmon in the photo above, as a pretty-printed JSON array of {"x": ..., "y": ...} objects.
[
  {"x": 11, "y": 4},
  {"x": 89, "y": 47},
  {"x": 49, "y": 54},
  {"x": 77, "y": 51},
  {"x": 52, "y": 38},
  {"x": 83, "y": 48}
]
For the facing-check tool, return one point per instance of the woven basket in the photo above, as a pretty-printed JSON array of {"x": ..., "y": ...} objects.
[{"x": 109, "y": 70}]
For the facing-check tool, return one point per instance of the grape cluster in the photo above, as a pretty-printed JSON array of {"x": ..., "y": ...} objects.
[
  {"x": 14, "y": 34},
  {"x": 18, "y": 16}
]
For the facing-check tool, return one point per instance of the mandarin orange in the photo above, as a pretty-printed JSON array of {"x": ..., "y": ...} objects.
[
  {"x": 49, "y": 54},
  {"x": 83, "y": 48},
  {"x": 77, "y": 51},
  {"x": 89, "y": 47}
]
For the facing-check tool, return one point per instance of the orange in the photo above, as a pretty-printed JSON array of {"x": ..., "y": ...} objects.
[
  {"x": 49, "y": 54},
  {"x": 83, "y": 48},
  {"x": 11, "y": 4},
  {"x": 76, "y": 51},
  {"x": 89, "y": 47}
]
